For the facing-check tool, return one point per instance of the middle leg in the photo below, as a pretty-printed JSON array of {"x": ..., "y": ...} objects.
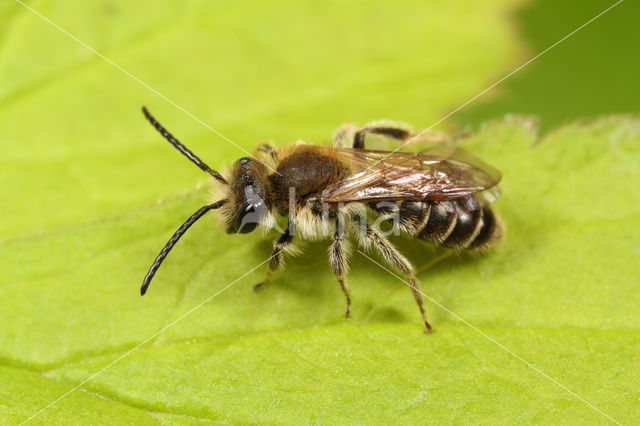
[
  {"x": 353, "y": 136},
  {"x": 392, "y": 132},
  {"x": 403, "y": 134},
  {"x": 338, "y": 253}
]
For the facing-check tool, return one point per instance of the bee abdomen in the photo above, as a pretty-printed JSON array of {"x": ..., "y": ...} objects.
[
  {"x": 461, "y": 224},
  {"x": 410, "y": 216},
  {"x": 440, "y": 223},
  {"x": 468, "y": 223},
  {"x": 489, "y": 232}
]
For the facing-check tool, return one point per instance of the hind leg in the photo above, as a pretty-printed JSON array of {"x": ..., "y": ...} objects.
[{"x": 369, "y": 237}]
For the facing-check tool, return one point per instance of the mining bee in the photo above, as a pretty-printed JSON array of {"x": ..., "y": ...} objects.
[{"x": 441, "y": 195}]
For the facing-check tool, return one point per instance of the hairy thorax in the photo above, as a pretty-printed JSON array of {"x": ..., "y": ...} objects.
[{"x": 303, "y": 174}]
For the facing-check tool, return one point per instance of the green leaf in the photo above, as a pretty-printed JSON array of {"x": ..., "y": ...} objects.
[
  {"x": 25, "y": 392},
  {"x": 84, "y": 176},
  {"x": 560, "y": 292}
]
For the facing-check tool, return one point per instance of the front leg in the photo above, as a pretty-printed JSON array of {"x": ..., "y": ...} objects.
[
  {"x": 278, "y": 247},
  {"x": 338, "y": 254},
  {"x": 268, "y": 148}
]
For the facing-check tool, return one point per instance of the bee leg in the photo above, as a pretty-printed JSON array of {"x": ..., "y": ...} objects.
[
  {"x": 390, "y": 131},
  {"x": 338, "y": 258},
  {"x": 352, "y": 136},
  {"x": 371, "y": 237},
  {"x": 278, "y": 247},
  {"x": 343, "y": 136},
  {"x": 268, "y": 148},
  {"x": 417, "y": 294}
]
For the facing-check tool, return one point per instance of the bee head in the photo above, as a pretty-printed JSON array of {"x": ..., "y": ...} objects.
[
  {"x": 244, "y": 203},
  {"x": 248, "y": 193}
]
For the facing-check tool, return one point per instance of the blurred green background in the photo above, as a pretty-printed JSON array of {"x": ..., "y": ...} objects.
[
  {"x": 579, "y": 79},
  {"x": 91, "y": 193}
]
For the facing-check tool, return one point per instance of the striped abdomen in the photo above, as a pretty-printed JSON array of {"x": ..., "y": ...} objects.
[{"x": 467, "y": 223}]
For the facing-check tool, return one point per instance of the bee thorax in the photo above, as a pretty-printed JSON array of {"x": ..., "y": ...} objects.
[{"x": 304, "y": 174}]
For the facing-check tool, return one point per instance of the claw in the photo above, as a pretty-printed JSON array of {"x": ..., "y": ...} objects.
[{"x": 256, "y": 287}]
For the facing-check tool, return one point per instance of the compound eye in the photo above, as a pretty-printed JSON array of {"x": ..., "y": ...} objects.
[
  {"x": 250, "y": 214},
  {"x": 248, "y": 219},
  {"x": 245, "y": 228}
]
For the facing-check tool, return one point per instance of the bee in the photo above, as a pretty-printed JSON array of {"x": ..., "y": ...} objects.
[{"x": 440, "y": 195}]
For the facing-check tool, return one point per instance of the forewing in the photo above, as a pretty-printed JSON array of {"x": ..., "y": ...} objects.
[{"x": 439, "y": 173}]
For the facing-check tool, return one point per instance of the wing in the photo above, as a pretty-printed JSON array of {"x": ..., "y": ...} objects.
[{"x": 438, "y": 173}]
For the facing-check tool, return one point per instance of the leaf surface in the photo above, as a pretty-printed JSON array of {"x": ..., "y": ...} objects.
[{"x": 94, "y": 193}]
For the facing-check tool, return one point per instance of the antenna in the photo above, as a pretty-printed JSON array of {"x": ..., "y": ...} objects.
[
  {"x": 173, "y": 240},
  {"x": 180, "y": 147}
]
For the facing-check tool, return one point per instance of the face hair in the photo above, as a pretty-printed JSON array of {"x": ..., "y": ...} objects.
[
  {"x": 173, "y": 240},
  {"x": 183, "y": 149}
]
